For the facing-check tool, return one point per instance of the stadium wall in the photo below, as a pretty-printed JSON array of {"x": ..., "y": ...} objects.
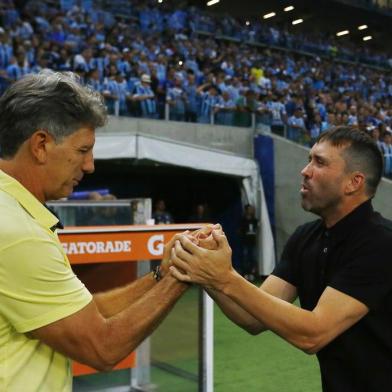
[{"x": 238, "y": 141}]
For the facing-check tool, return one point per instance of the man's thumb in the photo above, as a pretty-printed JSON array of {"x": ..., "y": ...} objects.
[{"x": 219, "y": 238}]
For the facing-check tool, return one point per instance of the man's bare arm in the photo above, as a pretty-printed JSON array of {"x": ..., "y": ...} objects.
[
  {"x": 115, "y": 322},
  {"x": 100, "y": 342},
  {"x": 307, "y": 330},
  {"x": 236, "y": 313},
  {"x": 114, "y": 301},
  {"x": 273, "y": 285}
]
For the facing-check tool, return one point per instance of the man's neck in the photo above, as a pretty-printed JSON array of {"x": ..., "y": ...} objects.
[
  {"x": 339, "y": 213},
  {"x": 22, "y": 173}
]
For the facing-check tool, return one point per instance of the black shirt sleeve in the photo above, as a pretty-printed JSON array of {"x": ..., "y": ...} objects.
[{"x": 367, "y": 277}]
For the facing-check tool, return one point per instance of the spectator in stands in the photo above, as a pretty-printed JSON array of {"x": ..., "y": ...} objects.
[
  {"x": 246, "y": 104},
  {"x": 92, "y": 80},
  {"x": 63, "y": 61},
  {"x": 80, "y": 71},
  {"x": 6, "y": 48},
  {"x": 294, "y": 101},
  {"x": 224, "y": 109},
  {"x": 145, "y": 97},
  {"x": 110, "y": 91},
  {"x": 386, "y": 149},
  {"x": 84, "y": 60},
  {"x": 352, "y": 117},
  {"x": 296, "y": 130},
  {"x": 160, "y": 214},
  {"x": 176, "y": 99},
  {"x": 201, "y": 214},
  {"x": 248, "y": 235},
  {"x": 208, "y": 102},
  {"x": 123, "y": 93},
  {"x": 105, "y": 215},
  {"x": 316, "y": 128},
  {"x": 277, "y": 111},
  {"x": 124, "y": 63},
  {"x": 191, "y": 97},
  {"x": 376, "y": 136},
  {"x": 17, "y": 67}
]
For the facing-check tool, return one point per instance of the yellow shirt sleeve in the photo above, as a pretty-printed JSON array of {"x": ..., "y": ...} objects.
[{"x": 37, "y": 284}]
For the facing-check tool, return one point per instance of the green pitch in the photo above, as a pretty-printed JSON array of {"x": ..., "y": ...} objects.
[{"x": 242, "y": 362}]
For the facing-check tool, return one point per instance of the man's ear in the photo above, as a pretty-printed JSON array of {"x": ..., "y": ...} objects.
[
  {"x": 40, "y": 143},
  {"x": 356, "y": 182}
]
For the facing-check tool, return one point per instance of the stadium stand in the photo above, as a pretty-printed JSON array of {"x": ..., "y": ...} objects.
[{"x": 170, "y": 61}]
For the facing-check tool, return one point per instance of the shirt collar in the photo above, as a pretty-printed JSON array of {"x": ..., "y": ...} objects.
[
  {"x": 355, "y": 218},
  {"x": 28, "y": 201}
]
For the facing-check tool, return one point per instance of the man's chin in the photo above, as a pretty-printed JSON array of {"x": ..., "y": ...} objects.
[
  {"x": 310, "y": 208},
  {"x": 65, "y": 192},
  {"x": 306, "y": 205}
]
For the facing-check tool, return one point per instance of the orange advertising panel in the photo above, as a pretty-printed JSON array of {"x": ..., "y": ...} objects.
[
  {"x": 78, "y": 369},
  {"x": 118, "y": 244},
  {"x": 111, "y": 247}
]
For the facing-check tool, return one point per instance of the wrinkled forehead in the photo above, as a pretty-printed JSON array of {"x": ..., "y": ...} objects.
[{"x": 330, "y": 151}]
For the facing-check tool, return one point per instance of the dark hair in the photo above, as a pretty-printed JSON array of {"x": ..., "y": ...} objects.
[
  {"x": 360, "y": 152},
  {"x": 48, "y": 100}
]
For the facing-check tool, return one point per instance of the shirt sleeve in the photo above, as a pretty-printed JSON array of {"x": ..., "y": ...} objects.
[
  {"x": 367, "y": 277},
  {"x": 37, "y": 285}
]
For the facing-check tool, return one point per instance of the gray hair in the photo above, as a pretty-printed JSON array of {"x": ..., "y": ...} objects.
[{"x": 51, "y": 101}]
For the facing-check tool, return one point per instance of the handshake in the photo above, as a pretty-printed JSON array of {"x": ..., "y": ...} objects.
[{"x": 202, "y": 256}]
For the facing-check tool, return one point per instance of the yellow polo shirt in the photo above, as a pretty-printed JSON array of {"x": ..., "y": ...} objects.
[{"x": 37, "y": 287}]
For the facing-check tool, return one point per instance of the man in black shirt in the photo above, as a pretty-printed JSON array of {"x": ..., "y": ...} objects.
[
  {"x": 248, "y": 231},
  {"x": 339, "y": 267}
]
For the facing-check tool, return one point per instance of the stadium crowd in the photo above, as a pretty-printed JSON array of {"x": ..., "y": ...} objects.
[{"x": 155, "y": 61}]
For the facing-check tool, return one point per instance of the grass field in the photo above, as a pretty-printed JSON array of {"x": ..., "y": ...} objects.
[
  {"x": 242, "y": 362},
  {"x": 259, "y": 363}
]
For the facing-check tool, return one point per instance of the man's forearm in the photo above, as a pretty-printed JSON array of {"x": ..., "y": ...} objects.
[
  {"x": 101, "y": 342},
  {"x": 126, "y": 330},
  {"x": 296, "y": 325},
  {"x": 114, "y": 301},
  {"x": 236, "y": 313}
]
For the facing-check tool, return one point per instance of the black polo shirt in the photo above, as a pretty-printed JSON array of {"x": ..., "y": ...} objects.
[{"x": 355, "y": 257}]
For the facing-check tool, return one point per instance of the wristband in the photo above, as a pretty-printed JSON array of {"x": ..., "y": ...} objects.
[{"x": 157, "y": 273}]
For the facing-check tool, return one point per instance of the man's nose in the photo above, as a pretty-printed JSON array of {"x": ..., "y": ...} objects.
[
  {"x": 88, "y": 164},
  {"x": 306, "y": 171}
]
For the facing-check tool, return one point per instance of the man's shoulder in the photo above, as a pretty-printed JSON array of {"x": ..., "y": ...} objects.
[
  {"x": 9, "y": 207},
  {"x": 16, "y": 224},
  {"x": 304, "y": 232},
  {"x": 382, "y": 224},
  {"x": 308, "y": 227}
]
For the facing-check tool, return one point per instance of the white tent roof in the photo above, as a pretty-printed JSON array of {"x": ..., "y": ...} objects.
[{"x": 177, "y": 154}]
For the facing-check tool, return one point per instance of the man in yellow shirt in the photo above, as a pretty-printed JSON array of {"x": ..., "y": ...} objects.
[{"x": 47, "y": 133}]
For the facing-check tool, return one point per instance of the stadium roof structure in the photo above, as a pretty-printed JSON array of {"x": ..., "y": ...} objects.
[{"x": 322, "y": 16}]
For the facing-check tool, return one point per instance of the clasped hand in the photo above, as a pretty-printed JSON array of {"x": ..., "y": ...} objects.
[{"x": 202, "y": 257}]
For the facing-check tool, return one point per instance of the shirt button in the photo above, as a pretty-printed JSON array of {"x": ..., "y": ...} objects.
[{"x": 325, "y": 250}]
